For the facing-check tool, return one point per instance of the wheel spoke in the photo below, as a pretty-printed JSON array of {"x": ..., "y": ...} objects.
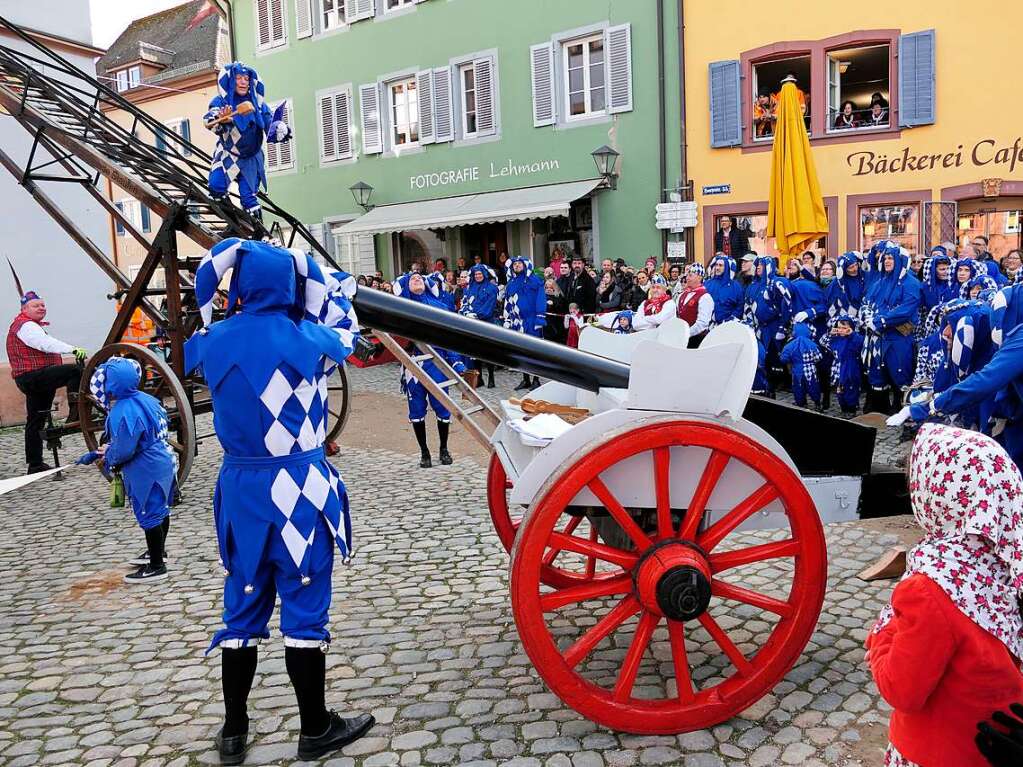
[
  {"x": 591, "y": 562},
  {"x": 743, "y": 666},
  {"x": 630, "y": 666},
  {"x": 683, "y": 681},
  {"x": 662, "y": 476},
  {"x": 759, "y": 498},
  {"x": 569, "y": 528},
  {"x": 594, "y": 550},
  {"x": 583, "y": 646},
  {"x": 749, "y": 597},
  {"x": 716, "y": 464},
  {"x": 618, "y": 512},
  {"x": 336, "y": 415},
  {"x": 726, "y": 560},
  {"x": 593, "y": 590}
]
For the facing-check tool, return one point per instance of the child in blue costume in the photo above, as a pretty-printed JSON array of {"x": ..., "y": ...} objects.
[
  {"x": 802, "y": 354},
  {"x": 137, "y": 447},
  {"x": 525, "y": 306},
  {"x": 845, "y": 293},
  {"x": 846, "y": 344},
  {"x": 416, "y": 288},
  {"x": 724, "y": 289},
  {"x": 888, "y": 314},
  {"x": 479, "y": 301},
  {"x": 623, "y": 323},
  {"x": 279, "y": 506},
  {"x": 768, "y": 307},
  {"x": 239, "y": 152}
]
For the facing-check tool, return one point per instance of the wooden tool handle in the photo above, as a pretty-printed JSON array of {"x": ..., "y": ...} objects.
[{"x": 242, "y": 109}]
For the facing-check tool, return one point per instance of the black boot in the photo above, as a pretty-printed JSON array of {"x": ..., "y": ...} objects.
[
  {"x": 419, "y": 428},
  {"x": 525, "y": 383},
  {"x": 238, "y": 667},
  {"x": 536, "y": 382},
  {"x": 443, "y": 427},
  {"x": 896, "y": 400},
  {"x": 490, "y": 376}
]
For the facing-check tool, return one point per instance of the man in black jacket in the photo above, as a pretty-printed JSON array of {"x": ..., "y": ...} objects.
[
  {"x": 579, "y": 288},
  {"x": 730, "y": 240}
]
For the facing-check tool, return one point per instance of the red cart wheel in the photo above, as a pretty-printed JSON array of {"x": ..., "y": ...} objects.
[
  {"x": 671, "y": 590},
  {"x": 583, "y": 569}
]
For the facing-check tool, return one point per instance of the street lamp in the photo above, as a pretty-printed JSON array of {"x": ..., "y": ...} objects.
[
  {"x": 606, "y": 159},
  {"x": 362, "y": 191}
]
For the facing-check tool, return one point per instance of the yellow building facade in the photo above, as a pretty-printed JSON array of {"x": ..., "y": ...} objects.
[{"x": 915, "y": 129}]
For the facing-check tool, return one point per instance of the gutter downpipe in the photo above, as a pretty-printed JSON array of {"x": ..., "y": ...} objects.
[
  {"x": 663, "y": 138},
  {"x": 688, "y": 192}
]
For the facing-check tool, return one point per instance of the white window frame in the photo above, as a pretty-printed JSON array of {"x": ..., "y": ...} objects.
[
  {"x": 272, "y": 45},
  {"x": 392, "y": 122},
  {"x": 123, "y": 79},
  {"x": 174, "y": 125},
  {"x": 585, "y": 41},
  {"x": 462, "y": 69},
  {"x": 402, "y": 5},
  {"x": 340, "y": 16},
  {"x": 131, "y": 209},
  {"x": 833, "y": 69}
]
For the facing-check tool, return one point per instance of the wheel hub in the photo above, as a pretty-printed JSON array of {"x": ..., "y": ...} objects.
[{"x": 672, "y": 579}]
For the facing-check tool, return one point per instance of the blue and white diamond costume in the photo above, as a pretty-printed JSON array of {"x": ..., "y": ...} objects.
[
  {"x": 239, "y": 152},
  {"x": 279, "y": 506},
  {"x": 136, "y": 436}
]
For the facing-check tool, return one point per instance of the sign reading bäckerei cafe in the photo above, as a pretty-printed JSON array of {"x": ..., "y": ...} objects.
[
  {"x": 986, "y": 153},
  {"x": 471, "y": 173}
]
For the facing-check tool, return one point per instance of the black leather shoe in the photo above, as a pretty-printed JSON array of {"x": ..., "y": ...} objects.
[
  {"x": 445, "y": 458},
  {"x": 39, "y": 468},
  {"x": 339, "y": 734},
  {"x": 232, "y": 748},
  {"x": 424, "y": 461}
]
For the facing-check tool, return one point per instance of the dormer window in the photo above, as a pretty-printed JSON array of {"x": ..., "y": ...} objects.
[{"x": 126, "y": 79}]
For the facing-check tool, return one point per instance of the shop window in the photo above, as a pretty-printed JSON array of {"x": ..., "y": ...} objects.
[
  {"x": 859, "y": 88},
  {"x": 900, "y": 223},
  {"x": 404, "y": 109},
  {"x": 332, "y": 13},
  {"x": 467, "y": 77},
  {"x": 583, "y": 65},
  {"x": 1001, "y": 227},
  {"x": 767, "y": 82},
  {"x": 753, "y": 228}
]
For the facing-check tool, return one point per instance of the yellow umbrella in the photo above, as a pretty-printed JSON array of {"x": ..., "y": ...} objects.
[{"x": 795, "y": 211}]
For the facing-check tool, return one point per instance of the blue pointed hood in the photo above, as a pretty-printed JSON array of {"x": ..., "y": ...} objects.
[
  {"x": 256, "y": 94},
  {"x": 727, "y": 276},
  {"x": 885, "y": 286},
  {"x": 525, "y": 272}
]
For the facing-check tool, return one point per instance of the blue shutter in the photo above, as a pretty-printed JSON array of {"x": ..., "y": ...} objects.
[
  {"x": 916, "y": 79},
  {"x": 145, "y": 218},
  {"x": 161, "y": 142},
  {"x": 725, "y": 107},
  {"x": 186, "y": 134},
  {"x": 117, "y": 222}
]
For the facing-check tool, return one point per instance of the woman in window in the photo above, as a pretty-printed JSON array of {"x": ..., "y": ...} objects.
[
  {"x": 878, "y": 111},
  {"x": 846, "y": 119}
]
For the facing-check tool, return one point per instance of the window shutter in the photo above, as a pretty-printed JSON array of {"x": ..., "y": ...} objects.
[
  {"x": 186, "y": 134},
  {"x": 367, "y": 258},
  {"x": 369, "y": 105},
  {"x": 303, "y": 18},
  {"x": 619, "y": 68},
  {"x": 424, "y": 93},
  {"x": 262, "y": 24},
  {"x": 343, "y": 116},
  {"x": 328, "y": 129},
  {"x": 118, "y": 223},
  {"x": 541, "y": 58},
  {"x": 286, "y": 150},
  {"x": 916, "y": 79},
  {"x": 278, "y": 26},
  {"x": 161, "y": 142},
  {"x": 146, "y": 223},
  {"x": 725, "y": 111},
  {"x": 443, "y": 115},
  {"x": 483, "y": 71},
  {"x": 356, "y": 10}
]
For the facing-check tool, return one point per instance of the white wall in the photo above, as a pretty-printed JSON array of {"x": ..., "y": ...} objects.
[{"x": 47, "y": 259}]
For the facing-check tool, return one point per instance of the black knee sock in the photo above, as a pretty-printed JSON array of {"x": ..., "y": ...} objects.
[
  {"x": 896, "y": 399},
  {"x": 237, "y": 669},
  {"x": 154, "y": 542},
  {"x": 166, "y": 529},
  {"x": 442, "y": 432},
  {"x": 490, "y": 372},
  {"x": 419, "y": 427},
  {"x": 307, "y": 669}
]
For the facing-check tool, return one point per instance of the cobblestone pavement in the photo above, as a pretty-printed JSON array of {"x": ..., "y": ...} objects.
[{"x": 93, "y": 672}]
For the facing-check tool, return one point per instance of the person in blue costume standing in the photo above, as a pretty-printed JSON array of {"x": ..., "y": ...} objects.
[
  {"x": 889, "y": 310},
  {"x": 725, "y": 289},
  {"x": 965, "y": 269},
  {"x": 966, "y": 332},
  {"x": 802, "y": 354},
  {"x": 768, "y": 307},
  {"x": 416, "y": 288},
  {"x": 845, "y": 343},
  {"x": 998, "y": 384},
  {"x": 240, "y": 134},
  {"x": 938, "y": 284},
  {"x": 480, "y": 303},
  {"x": 279, "y": 506},
  {"x": 845, "y": 293},
  {"x": 525, "y": 306},
  {"x": 982, "y": 283},
  {"x": 135, "y": 444}
]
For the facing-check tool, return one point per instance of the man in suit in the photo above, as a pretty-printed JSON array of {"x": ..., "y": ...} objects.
[{"x": 730, "y": 240}]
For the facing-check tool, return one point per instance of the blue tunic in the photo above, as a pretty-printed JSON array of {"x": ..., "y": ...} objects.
[
  {"x": 725, "y": 290},
  {"x": 845, "y": 293},
  {"x": 479, "y": 300},
  {"x": 892, "y": 302},
  {"x": 768, "y": 306},
  {"x": 801, "y": 354},
  {"x": 525, "y": 303}
]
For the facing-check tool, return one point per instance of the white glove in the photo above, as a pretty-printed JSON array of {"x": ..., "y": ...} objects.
[
  {"x": 283, "y": 131},
  {"x": 899, "y": 418},
  {"x": 800, "y": 317}
]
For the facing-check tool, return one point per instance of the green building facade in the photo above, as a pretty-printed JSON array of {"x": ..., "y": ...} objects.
[{"x": 474, "y": 122}]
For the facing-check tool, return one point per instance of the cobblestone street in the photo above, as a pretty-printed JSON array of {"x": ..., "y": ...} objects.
[{"x": 94, "y": 672}]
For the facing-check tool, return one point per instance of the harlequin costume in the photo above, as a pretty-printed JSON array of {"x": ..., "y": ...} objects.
[
  {"x": 239, "y": 152},
  {"x": 525, "y": 306},
  {"x": 725, "y": 289},
  {"x": 845, "y": 293},
  {"x": 946, "y": 652},
  {"x": 279, "y": 506},
  {"x": 768, "y": 307},
  {"x": 135, "y": 433},
  {"x": 479, "y": 301},
  {"x": 846, "y": 370},
  {"x": 422, "y": 290},
  {"x": 802, "y": 354}
]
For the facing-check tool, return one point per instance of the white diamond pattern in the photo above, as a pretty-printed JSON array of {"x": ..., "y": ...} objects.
[
  {"x": 276, "y": 393},
  {"x": 285, "y": 493},
  {"x": 316, "y": 488}
]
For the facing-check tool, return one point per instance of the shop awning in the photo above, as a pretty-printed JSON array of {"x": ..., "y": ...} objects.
[{"x": 483, "y": 208}]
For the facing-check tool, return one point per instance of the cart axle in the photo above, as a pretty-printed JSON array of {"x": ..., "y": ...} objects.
[{"x": 672, "y": 579}]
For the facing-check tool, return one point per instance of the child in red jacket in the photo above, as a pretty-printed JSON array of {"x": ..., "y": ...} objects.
[{"x": 946, "y": 652}]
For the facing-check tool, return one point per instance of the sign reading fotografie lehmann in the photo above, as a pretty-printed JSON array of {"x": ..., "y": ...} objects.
[
  {"x": 473, "y": 173},
  {"x": 986, "y": 152}
]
